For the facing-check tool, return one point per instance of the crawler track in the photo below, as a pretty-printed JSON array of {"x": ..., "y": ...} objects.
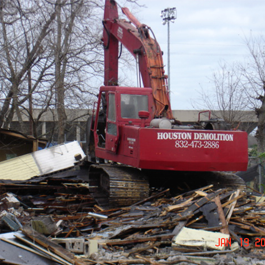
[{"x": 115, "y": 186}]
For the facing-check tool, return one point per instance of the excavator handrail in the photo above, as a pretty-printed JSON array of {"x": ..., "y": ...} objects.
[{"x": 199, "y": 114}]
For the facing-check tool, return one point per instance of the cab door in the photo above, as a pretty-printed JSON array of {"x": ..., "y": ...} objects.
[{"x": 112, "y": 132}]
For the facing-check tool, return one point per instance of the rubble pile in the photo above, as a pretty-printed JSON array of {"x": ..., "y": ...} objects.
[{"x": 58, "y": 222}]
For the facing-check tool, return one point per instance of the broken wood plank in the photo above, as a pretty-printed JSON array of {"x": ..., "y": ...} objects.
[
  {"x": 249, "y": 226},
  {"x": 209, "y": 211},
  {"x": 209, "y": 253},
  {"x": 239, "y": 240},
  {"x": 180, "y": 260},
  {"x": 27, "y": 248},
  {"x": 50, "y": 245},
  {"x": 48, "y": 253},
  {"x": 16, "y": 255},
  {"x": 196, "y": 205},
  {"x": 201, "y": 193},
  {"x": 221, "y": 215},
  {"x": 151, "y": 197},
  {"x": 98, "y": 208},
  {"x": 234, "y": 199},
  {"x": 139, "y": 240},
  {"x": 178, "y": 227},
  {"x": 223, "y": 196},
  {"x": 232, "y": 206},
  {"x": 141, "y": 249},
  {"x": 151, "y": 261},
  {"x": 195, "y": 220},
  {"x": 180, "y": 205},
  {"x": 192, "y": 191}
]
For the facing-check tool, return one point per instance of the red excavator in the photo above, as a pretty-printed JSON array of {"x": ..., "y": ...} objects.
[{"x": 134, "y": 140}]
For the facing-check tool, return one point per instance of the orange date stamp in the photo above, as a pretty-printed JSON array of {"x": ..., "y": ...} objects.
[{"x": 257, "y": 242}]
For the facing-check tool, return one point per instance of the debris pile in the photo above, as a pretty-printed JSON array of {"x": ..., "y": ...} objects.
[
  {"x": 48, "y": 216},
  {"x": 62, "y": 223}
]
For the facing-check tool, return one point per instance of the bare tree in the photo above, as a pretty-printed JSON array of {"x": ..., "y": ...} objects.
[
  {"x": 74, "y": 55},
  {"x": 225, "y": 82},
  {"x": 254, "y": 84},
  {"x": 227, "y": 99},
  {"x": 60, "y": 62},
  {"x": 51, "y": 59},
  {"x": 241, "y": 87},
  {"x": 18, "y": 56},
  {"x": 44, "y": 65}
]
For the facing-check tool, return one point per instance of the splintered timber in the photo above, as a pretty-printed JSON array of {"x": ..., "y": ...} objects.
[{"x": 195, "y": 136}]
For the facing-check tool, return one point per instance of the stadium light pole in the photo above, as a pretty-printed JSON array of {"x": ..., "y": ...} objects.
[{"x": 168, "y": 15}]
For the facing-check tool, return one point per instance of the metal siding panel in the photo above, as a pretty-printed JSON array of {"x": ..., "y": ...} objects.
[
  {"x": 57, "y": 157},
  {"x": 41, "y": 162}
]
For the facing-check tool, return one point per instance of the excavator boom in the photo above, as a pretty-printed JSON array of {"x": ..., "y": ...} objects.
[{"x": 143, "y": 47}]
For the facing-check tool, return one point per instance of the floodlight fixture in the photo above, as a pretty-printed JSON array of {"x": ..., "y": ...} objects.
[{"x": 168, "y": 15}]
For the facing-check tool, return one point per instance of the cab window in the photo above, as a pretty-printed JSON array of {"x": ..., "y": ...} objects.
[
  {"x": 132, "y": 104},
  {"x": 111, "y": 125}
]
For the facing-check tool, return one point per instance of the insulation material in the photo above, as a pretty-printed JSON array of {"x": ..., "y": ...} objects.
[
  {"x": 201, "y": 238},
  {"x": 19, "y": 168}
]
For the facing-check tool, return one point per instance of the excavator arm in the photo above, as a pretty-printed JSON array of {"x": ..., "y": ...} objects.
[{"x": 145, "y": 49}]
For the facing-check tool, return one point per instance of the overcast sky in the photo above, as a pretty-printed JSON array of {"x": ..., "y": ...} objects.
[{"x": 205, "y": 33}]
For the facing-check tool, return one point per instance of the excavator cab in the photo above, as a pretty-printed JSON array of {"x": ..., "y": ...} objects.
[{"x": 120, "y": 106}]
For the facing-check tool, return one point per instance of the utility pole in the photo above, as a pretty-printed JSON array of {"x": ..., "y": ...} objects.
[{"x": 168, "y": 15}]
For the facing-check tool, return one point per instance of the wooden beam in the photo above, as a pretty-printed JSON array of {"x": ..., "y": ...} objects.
[
  {"x": 221, "y": 214},
  {"x": 50, "y": 245}
]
